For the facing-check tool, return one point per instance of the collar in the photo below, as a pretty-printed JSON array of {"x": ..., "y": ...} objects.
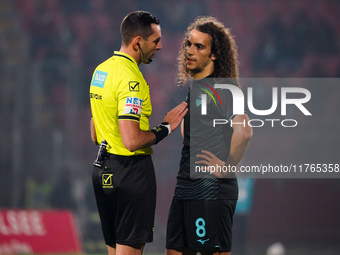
[{"x": 124, "y": 55}]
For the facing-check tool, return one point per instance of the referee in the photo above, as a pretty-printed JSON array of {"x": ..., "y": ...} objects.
[{"x": 123, "y": 176}]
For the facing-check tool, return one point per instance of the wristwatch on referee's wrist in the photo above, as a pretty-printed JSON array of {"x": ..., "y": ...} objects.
[{"x": 167, "y": 125}]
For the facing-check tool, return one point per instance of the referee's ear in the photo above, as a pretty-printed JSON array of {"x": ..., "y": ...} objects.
[{"x": 136, "y": 43}]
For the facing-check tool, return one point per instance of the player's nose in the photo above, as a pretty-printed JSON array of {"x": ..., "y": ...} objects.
[
  {"x": 189, "y": 50},
  {"x": 159, "y": 45}
]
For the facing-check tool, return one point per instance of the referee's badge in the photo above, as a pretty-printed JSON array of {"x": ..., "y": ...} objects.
[
  {"x": 107, "y": 181},
  {"x": 134, "y": 86}
]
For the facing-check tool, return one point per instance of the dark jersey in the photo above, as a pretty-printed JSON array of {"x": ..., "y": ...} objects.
[{"x": 199, "y": 134}]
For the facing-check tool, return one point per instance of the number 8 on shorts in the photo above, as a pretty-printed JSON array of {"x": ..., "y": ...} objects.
[{"x": 200, "y": 230}]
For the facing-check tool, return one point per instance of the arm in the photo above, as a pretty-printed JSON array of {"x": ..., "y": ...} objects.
[
  {"x": 240, "y": 140},
  {"x": 133, "y": 138},
  {"x": 239, "y": 144},
  {"x": 93, "y": 132}
]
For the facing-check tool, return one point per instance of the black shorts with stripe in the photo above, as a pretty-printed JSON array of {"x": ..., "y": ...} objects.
[
  {"x": 200, "y": 225},
  {"x": 125, "y": 191}
]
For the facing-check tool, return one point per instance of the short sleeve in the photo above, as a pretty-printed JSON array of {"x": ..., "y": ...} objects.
[{"x": 130, "y": 99}]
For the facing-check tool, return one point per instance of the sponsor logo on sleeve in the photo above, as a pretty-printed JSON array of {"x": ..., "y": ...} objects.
[{"x": 133, "y": 105}]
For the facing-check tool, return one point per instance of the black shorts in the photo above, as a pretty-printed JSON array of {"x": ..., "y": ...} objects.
[
  {"x": 125, "y": 191},
  {"x": 200, "y": 225}
]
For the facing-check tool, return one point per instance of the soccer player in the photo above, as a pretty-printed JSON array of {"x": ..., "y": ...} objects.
[
  {"x": 201, "y": 213},
  {"x": 123, "y": 176}
]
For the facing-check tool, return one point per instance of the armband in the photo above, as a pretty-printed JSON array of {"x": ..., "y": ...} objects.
[{"x": 161, "y": 131}]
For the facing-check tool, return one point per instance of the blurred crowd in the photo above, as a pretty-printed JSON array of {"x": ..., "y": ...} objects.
[
  {"x": 275, "y": 39},
  {"x": 282, "y": 38}
]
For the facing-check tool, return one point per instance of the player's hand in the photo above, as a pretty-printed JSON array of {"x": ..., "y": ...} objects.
[
  {"x": 175, "y": 116},
  {"x": 210, "y": 159}
]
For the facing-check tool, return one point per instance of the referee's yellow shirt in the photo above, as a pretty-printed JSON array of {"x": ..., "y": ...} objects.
[{"x": 118, "y": 91}]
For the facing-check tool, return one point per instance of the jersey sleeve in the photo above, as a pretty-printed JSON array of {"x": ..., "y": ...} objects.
[
  {"x": 130, "y": 99},
  {"x": 227, "y": 103}
]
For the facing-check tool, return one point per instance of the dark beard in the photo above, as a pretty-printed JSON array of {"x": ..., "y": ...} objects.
[{"x": 195, "y": 71}]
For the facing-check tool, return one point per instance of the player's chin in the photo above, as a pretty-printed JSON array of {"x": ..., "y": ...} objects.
[
  {"x": 190, "y": 67},
  {"x": 193, "y": 69}
]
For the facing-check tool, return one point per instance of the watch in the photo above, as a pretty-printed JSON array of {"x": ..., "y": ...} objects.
[{"x": 167, "y": 125}]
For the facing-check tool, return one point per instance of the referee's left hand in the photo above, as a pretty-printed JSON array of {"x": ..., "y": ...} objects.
[{"x": 175, "y": 116}]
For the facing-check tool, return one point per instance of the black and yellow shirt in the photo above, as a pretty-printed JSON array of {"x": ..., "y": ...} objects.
[{"x": 118, "y": 91}]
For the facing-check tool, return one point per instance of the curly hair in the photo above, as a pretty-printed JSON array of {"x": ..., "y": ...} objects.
[{"x": 223, "y": 46}]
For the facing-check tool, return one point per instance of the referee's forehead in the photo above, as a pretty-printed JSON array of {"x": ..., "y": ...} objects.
[{"x": 157, "y": 33}]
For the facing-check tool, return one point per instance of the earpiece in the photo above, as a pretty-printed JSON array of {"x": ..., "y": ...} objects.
[{"x": 148, "y": 59}]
